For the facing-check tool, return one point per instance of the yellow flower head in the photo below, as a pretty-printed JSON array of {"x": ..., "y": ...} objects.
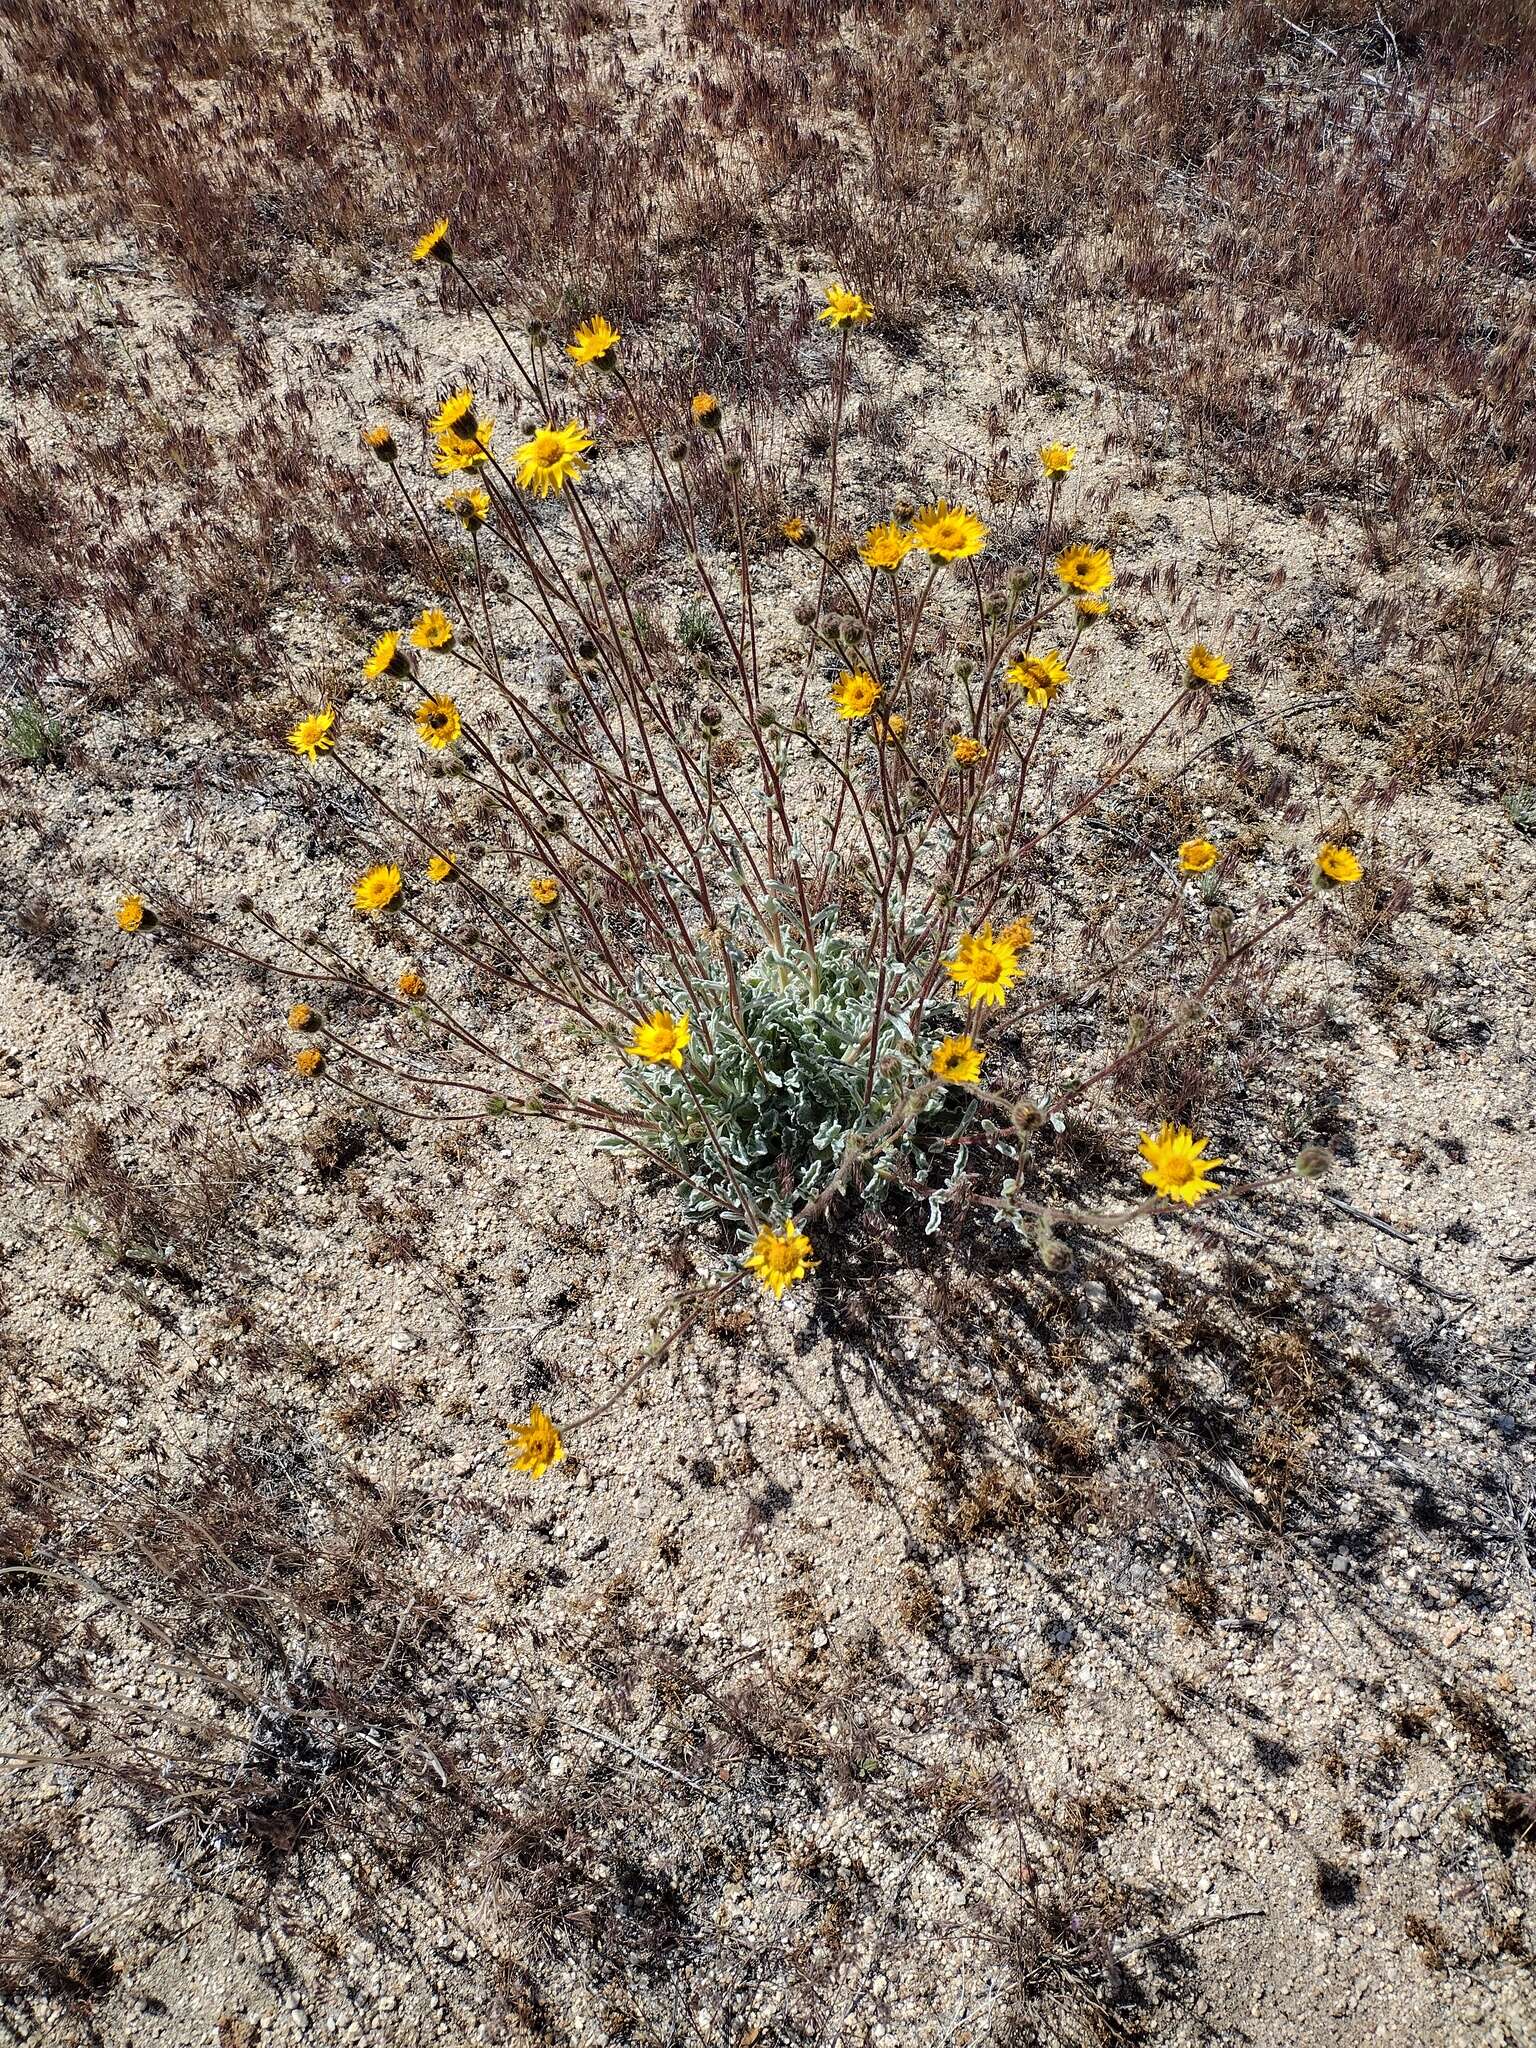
[
  {"x": 382, "y": 443},
  {"x": 948, "y": 533},
  {"x": 456, "y": 415},
  {"x": 705, "y": 408},
  {"x": 130, "y": 914},
  {"x": 439, "y": 867},
  {"x": 434, "y": 243},
  {"x": 376, "y": 890},
  {"x": 1198, "y": 856},
  {"x": 437, "y": 721},
  {"x": 1091, "y": 608},
  {"x": 1084, "y": 568},
  {"x": 1039, "y": 676},
  {"x": 1207, "y": 667},
  {"x": 845, "y": 308},
  {"x": 984, "y": 967},
  {"x": 312, "y": 735},
  {"x": 411, "y": 984},
  {"x": 432, "y": 629},
  {"x": 545, "y": 891},
  {"x": 537, "y": 1444},
  {"x": 793, "y": 529},
  {"x": 892, "y": 728},
  {"x": 386, "y": 658},
  {"x": 957, "y": 1059},
  {"x": 1019, "y": 933},
  {"x": 457, "y": 452},
  {"x": 856, "y": 694},
  {"x": 661, "y": 1038},
  {"x": 593, "y": 342},
  {"x": 779, "y": 1258},
  {"x": 1176, "y": 1167},
  {"x": 470, "y": 507},
  {"x": 552, "y": 459},
  {"x": 887, "y": 546},
  {"x": 300, "y": 1017},
  {"x": 309, "y": 1061},
  {"x": 1338, "y": 865},
  {"x": 965, "y": 749},
  {"x": 1057, "y": 460}
]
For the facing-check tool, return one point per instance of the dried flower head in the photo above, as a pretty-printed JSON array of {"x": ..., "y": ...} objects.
[
  {"x": 957, "y": 1059},
  {"x": 1019, "y": 933},
  {"x": 1039, "y": 676},
  {"x": 661, "y": 1038},
  {"x": 845, "y": 308},
  {"x": 794, "y": 529},
  {"x": 965, "y": 749},
  {"x": 1337, "y": 866},
  {"x": 437, "y": 721},
  {"x": 948, "y": 533},
  {"x": 545, "y": 891},
  {"x": 301, "y": 1017},
  {"x": 1198, "y": 856},
  {"x": 779, "y": 1258},
  {"x": 1056, "y": 459},
  {"x": 1207, "y": 667},
  {"x": 594, "y": 343},
  {"x": 553, "y": 458},
  {"x": 376, "y": 890},
  {"x": 892, "y": 728},
  {"x": 856, "y": 694},
  {"x": 381, "y": 442},
  {"x": 1084, "y": 568},
  {"x": 387, "y": 659},
  {"x": 130, "y": 914},
  {"x": 312, "y": 735},
  {"x": 1176, "y": 1167},
  {"x": 411, "y": 984},
  {"x": 434, "y": 243},
  {"x": 309, "y": 1060},
  {"x": 705, "y": 408},
  {"x": 533, "y": 1446},
  {"x": 887, "y": 546},
  {"x": 984, "y": 967}
]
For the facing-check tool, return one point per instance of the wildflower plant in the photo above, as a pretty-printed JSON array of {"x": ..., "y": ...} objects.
[{"x": 796, "y": 918}]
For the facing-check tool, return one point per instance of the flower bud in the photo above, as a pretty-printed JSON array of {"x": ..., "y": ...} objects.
[
  {"x": 1054, "y": 1255},
  {"x": 711, "y": 717},
  {"x": 1314, "y": 1162},
  {"x": 1136, "y": 1030},
  {"x": 245, "y": 904}
]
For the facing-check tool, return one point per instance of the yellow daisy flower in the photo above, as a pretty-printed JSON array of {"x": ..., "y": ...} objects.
[
  {"x": 887, "y": 546},
  {"x": 434, "y": 243},
  {"x": 309, "y": 1061},
  {"x": 545, "y": 891},
  {"x": 957, "y": 1059},
  {"x": 1176, "y": 1167},
  {"x": 432, "y": 629},
  {"x": 1039, "y": 676},
  {"x": 457, "y": 452},
  {"x": 1019, "y": 934},
  {"x": 1338, "y": 865},
  {"x": 705, "y": 408},
  {"x": 377, "y": 889},
  {"x": 1091, "y": 608},
  {"x": 439, "y": 868},
  {"x": 300, "y": 1017},
  {"x": 984, "y": 967},
  {"x": 661, "y": 1038},
  {"x": 312, "y": 735},
  {"x": 456, "y": 415},
  {"x": 470, "y": 507},
  {"x": 965, "y": 749},
  {"x": 948, "y": 533},
  {"x": 793, "y": 529},
  {"x": 437, "y": 721},
  {"x": 411, "y": 984},
  {"x": 382, "y": 443},
  {"x": 845, "y": 308},
  {"x": 1207, "y": 667},
  {"x": 1056, "y": 459},
  {"x": 537, "y": 1443},
  {"x": 593, "y": 342},
  {"x": 130, "y": 914},
  {"x": 1198, "y": 856},
  {"x": 552, "y": 459},
  {"x": 779, "y": 1258},
  {"x": 1084, "y": 568},
  {"x": 386, "y": 658},
  {"x": 856, "y": 694}
]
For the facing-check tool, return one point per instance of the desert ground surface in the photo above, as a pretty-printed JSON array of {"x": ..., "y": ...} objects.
[{"x": 956, "y": 1651}]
